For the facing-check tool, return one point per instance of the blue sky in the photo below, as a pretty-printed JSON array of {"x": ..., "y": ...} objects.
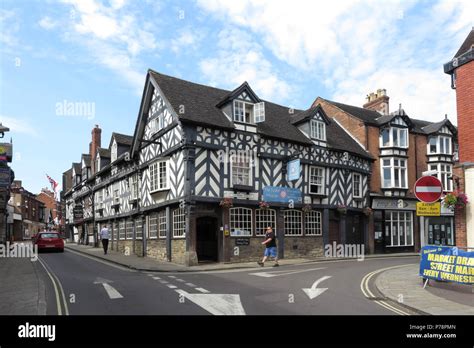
[{"x": 98, "y": 52}]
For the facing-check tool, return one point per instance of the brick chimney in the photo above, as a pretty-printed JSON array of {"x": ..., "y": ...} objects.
[
  {"x": 95, "y": 144},
  {"x": 378, "y": 101}
]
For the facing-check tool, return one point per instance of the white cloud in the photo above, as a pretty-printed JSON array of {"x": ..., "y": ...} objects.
[
  {"x": 9, "y": 27},
  {"x": 47, "y": 23},
  {"x": 18, "y": 126},
  {"x": 357, "y": 46},
  {"x": 114, "y": 36},
  {"x": 240, "y": 59},
  {"x": 187, "y": 40}
]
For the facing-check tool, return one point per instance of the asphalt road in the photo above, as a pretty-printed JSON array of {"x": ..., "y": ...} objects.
[{"x": 77, "y": 284}]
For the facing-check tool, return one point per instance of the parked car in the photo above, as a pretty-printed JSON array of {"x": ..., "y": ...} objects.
[{"x": 49, "y": 241}]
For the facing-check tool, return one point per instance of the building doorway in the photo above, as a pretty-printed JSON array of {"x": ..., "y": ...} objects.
[{"x": 206, "y": 239}]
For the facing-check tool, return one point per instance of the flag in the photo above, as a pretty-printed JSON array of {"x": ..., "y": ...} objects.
[{"x": 53, "y": 183}]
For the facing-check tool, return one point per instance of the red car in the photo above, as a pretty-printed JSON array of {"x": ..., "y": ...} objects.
[{"x": 49, "y": 241}]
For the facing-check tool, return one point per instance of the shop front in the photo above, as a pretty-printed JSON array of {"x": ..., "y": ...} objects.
[
  {"x": 395, "y": 225},
  {"x": 438, "y": 230}
]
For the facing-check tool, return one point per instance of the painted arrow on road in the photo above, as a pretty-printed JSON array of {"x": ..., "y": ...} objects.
[
  {"x": 217, "y": 304},
  {"x": 314, "y": 291},
  {"x": 282, "y": 273},
  {"x": 113, "y": 294}
]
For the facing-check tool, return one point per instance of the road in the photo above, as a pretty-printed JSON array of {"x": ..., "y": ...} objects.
[{"x": 77, "y": 284}]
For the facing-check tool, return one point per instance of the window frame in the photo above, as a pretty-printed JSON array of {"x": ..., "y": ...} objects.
[
  {"x": 162, "y": 215},
  {"x": 154, "y": 171},
  {"x": 392, "y": 172},
  {"x": 153, "y": 232},
  {"x": 179, "y": 223},
  {"x": 323, "y": 180},
  {"x": 138, "y": 227},
  {"x": 443, "y": 175},
  {"x": 262, "y": 222},
  {"x": 441, "y": 141},
  {"x": 233, "y": 168},
  {"x": 313, "y": 225},
  {"x": 240, "y": 224},
  {"x": 389, "y": 223},
  {"x": 391, "y": 143},
  {"x": 317, "y": 130},
  {"x": 297, "y": 214},
  {"x": 354, "y": 186}
]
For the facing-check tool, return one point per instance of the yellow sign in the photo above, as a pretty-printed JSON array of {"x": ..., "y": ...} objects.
[{"x": 428, "y": 209}]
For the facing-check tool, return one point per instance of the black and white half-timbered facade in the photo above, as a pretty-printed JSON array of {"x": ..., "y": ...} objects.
[{"x": 206, "y": 172}]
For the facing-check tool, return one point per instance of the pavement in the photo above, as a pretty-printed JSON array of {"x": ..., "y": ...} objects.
[
  {"x": 153, "y": 265},
  {"x": 404, "y": 286},
  {"x": 22, "y": 289}
]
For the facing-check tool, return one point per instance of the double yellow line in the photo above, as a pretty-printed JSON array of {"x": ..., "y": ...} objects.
[
  {"x": 364, "y": 287},
  {"x": 58, "y": 290}
]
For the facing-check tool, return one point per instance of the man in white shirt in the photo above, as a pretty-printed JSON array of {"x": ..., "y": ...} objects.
[{"x": 104, "y": 237}]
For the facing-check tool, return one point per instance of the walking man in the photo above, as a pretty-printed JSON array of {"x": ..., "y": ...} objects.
[
  {"x": 270, "y": 247},
  {"x": 104, "y": 237}
]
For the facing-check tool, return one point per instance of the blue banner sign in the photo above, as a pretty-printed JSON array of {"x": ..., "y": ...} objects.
[
  {"x": 448, "y": 264},
  {"x": 279, "y": 194},
  {"x": 293, "y": 170}
]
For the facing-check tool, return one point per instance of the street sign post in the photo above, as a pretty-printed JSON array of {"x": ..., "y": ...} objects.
[{"x": 428, "y": 189}]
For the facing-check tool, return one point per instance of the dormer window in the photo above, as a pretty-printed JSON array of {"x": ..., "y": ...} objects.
[
  {"x": 113, "y": 152},
  {"x": 249, "y": 113},
  {"x": 318, "y": 130},
  {"x": 440, "y": 145},
  {"x": 394, "y": 137}
]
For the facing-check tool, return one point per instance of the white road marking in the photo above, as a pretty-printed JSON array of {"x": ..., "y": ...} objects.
[
  {"x": 171, "y": 286},
  {"x": 314, "y": 291},
  {"x": 203, "y": 290},
  {"x": 163, "y": 282},
  {"x": 282, "y": 273},
  {"x": 180, "y": 280},
  {"x": 171, "y": 277},
  {"x": 156, "y": 278},
  {"x": 217, "y": 304},
  {"x": 111, "y": 291},
  {"x": 191, "y": 285}
]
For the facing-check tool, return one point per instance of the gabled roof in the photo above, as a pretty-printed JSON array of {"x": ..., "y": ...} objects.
[
  {"x": 200, "y": 107},
  {"x": 87, "y": 159},
  {"x": 105, "y": 153},
  {"x": 121, "y": 139},
  {"x": 466, "y": 45},
  {"x": 416, "y": 125},
  {"x": 368, "y": 116},
  {"x": 435, "y": 127},
  {"x": 77, "y": 168},
  {"x": 199, "y": 101},
  {"x": 309, "y": 113},
  {"x": 238, "y": 91}
]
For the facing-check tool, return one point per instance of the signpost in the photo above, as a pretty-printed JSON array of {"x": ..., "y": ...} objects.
[
  {"x": 428, "y": 189},
  {"x": 293, "y": 170}
]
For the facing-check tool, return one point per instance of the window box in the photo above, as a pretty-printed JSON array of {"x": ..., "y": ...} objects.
[{"x": 242, "y": 188}]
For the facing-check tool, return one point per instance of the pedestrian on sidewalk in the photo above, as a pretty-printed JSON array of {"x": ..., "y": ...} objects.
[
  {"x": 104, "y": 237},
  {"x": 270, "y": 247}
]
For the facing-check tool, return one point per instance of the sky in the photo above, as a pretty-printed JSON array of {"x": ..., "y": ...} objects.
[{"x": 68, "y": 65}]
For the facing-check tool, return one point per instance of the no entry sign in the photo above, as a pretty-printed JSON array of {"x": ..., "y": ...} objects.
[{"x": 428, "y": 189}]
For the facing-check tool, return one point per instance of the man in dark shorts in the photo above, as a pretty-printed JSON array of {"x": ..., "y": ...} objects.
[{"x": 270, "y": 247}]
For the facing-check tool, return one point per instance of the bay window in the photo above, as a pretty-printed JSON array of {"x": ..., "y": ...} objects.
[
  {"x": 394, "y": 137},
  {"x": 440, "y": 145},
  {"x": 394, "y": 173},
  {"x": 159, "y": 173},
  {"x": 444, "y": 173}
]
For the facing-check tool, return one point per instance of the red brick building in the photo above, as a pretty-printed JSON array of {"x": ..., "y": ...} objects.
[
  {"x": 53, "y": 211},
  {"x": 461, "y": 69},
  {"x": 403, "y": 148}
]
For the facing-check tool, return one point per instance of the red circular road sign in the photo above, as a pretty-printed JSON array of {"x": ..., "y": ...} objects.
[{"x": 428, "y": 189}]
